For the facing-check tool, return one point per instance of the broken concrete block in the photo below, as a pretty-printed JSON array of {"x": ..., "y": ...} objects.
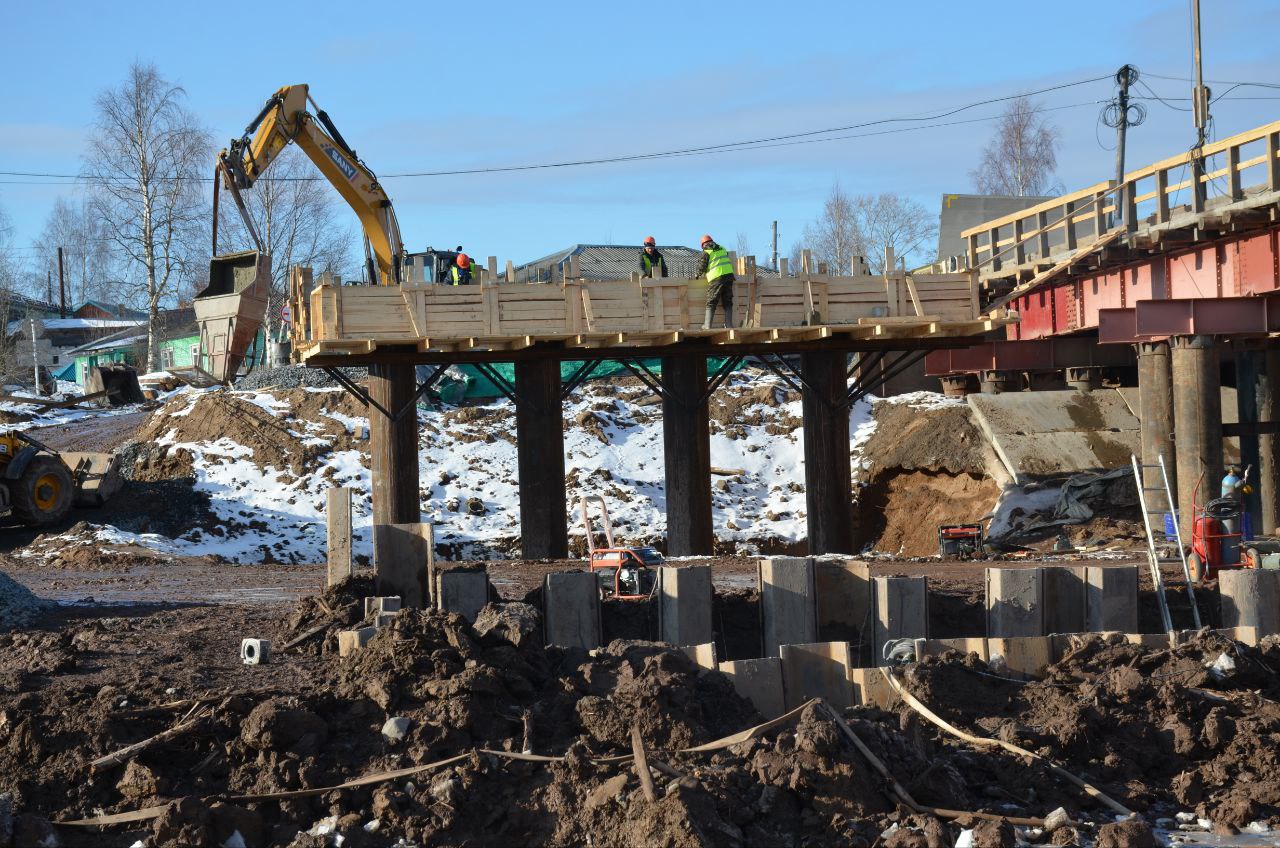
[
  {"x": 788, "y": 608},
  {"x": 255, "y": 651},
  {"x": 350, "y": 641},
  {"x": 684, "y": 605},
  {"x": 380, "y": 604},
  {"x": 384, "y": 619}
]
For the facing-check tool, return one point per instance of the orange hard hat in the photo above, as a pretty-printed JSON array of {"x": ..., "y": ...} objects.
[
  {"x": 706, "y": 239},
  {"x": 464, "y": 261},
  {"x": 650, "y": 240}
]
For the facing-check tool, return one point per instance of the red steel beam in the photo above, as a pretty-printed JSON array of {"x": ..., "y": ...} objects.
[
  {"x": 1034, "y": 355},
  {"x": 1208, "y": 316}
]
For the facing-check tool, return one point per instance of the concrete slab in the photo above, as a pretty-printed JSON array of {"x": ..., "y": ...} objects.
[
  {"x": 1037, "y": 433},
  {"x": 463, "y": 592},
  {"x": 571, "y": 609},
  {"x": 788, "y": 608},
  {"x": 1064, "y": 598},
  {"x": 901, "y": 611},
  {"x": 407, "y": 551},
  {"x": 1111, "y": 598},
  {"x": 1250, "y": 598},
  {"x": 938, "y": 647},
  {"x": 870, "y": 689},
  {"x": 703, "y": 656},
  {"x": 760, "y": 682},
  {"x": 684, "y": 605},
  {"x": 843, "y": 590},
  {"x": 1015, "y": 602},
  {"x": 1024, "y": 657},
  {"x": 819, "y": 670}
]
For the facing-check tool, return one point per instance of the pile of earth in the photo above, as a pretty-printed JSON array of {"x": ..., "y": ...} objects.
[
  {"x": 529, "y": 746},
  {"x": 922, "y": 467},
  {"x": 18, "y": 606}
]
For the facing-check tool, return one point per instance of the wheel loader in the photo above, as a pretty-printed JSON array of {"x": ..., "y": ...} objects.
[{"x": 38, "y": 485}]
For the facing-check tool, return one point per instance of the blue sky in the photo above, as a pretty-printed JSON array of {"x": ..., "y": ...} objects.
[{"x": 428, "y": 86}]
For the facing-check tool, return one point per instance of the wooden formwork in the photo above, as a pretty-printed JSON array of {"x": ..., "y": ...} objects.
[{"x": 332, "y": 318}]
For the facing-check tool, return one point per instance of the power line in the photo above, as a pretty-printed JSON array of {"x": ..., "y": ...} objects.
[{"x": 751, "y": 144}]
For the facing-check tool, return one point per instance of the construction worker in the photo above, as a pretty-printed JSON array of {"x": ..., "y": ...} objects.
[
  {"x": 650, "y": 259},
  {"x": 1234, "y": 486},
  {"x": 718, "y": 268},
  {"x": 460, "y": 273}
]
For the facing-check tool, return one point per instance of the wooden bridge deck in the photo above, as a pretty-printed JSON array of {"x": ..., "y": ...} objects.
[{"x": 576, "y": 319}]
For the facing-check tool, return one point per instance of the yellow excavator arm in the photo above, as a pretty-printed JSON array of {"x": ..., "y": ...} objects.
[{"x": 285, "y": 118}]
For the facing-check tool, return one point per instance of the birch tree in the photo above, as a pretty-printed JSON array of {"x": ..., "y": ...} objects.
[
  {"x": 897, "y": 222},
  {"x": 146, "y": 156},
  {"x": 833, "y": 237},
  {"x": 1021, "y": 157}
]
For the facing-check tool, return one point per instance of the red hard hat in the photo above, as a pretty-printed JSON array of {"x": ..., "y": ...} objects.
[
  {"x": 464, "y": 261},
  {"x": 650, "y": 240},
  {"x": 706, "y": 239}
]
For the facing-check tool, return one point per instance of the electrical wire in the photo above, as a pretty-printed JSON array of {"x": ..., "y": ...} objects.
[{"x": 750, "y": 144}]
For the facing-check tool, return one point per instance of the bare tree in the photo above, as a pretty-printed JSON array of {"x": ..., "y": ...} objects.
[
  {"x": 143, "y": 167},
  {"x": 743, "y": 244},
  {"x": 1021, "y": 157},
  {"x": 295, "y": 213},
  {"x": 893, "y": 221},
  {"x": 834, "y": 237},
  {"x": 87, "y": 260}
]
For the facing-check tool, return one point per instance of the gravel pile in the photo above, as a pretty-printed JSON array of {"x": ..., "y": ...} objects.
[
  {"x": 295, "y": 377},
  {"x": 18, "y": 607}
]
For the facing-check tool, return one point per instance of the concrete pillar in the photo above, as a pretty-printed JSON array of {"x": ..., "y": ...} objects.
[
  {"x": 956, "y": 385},
  {"x": 1064, "y": 598},
  {"x": 997, "y": 382},
  {"x": 1155, "y": 418},
  {"x": 820, "y": 670},
  {"x": 393, "y": 451},
  {"x": 684, "y": 605},
  {"x": 1269, "y": 443},
  {"x": 338, "y": 532},
  {"x": 1197, "y": 422},
  {"x": 788, "y": 610},
  {"x": 544, "y": 527},
  {"x": 1250, "y": 598},
  {"x": 1015, "y": 602},
  {"x": 1111, "y": 598},
  {"x": 686, "y": 441},
  {"x": 1084, "y": 379},
  {"x": 828, "y": 483},
  {"x": 1251, "y": 365},
  {"x": 571, "y": 609},
  {"x": 902, "y": 612}
]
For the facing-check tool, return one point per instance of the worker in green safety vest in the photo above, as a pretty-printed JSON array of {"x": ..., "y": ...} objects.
[
  {"x": 718, "y": 268},
  {"x": 460, "y": 271},
  {"x": 651, "y": 260}
]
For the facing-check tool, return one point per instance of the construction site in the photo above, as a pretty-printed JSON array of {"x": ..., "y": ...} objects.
[{"x": 659, "y": 545}]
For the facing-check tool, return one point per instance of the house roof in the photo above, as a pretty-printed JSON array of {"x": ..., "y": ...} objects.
[
  {"x": 117, "y": 309},
  {"x": 48, "y": 324},
  {"x": 174, "y": 324},
  {"x": 612, "y": 262}
]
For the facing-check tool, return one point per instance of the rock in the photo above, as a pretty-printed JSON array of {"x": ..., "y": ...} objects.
[
  {"x": 516, "y": 623},
  {"x": 272, "y": 726},
  {"x": 1056, "y": 819},
  {"x": 31, "y": 831},
  {"x": 475, "y": 506},
  {"x": 396, "y": 728},
  {"x": 138, "y": 782},
  {"x": 1131, "y": 833},
  {"x": 606, "y": 791},
  {"x": 991, "y": 834}
]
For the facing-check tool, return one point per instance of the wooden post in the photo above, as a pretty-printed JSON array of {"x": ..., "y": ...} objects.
[
  {"x": 544, "y": 528},
  {"x": 783, "y": 269},
  {"x": 338, "y": 524},
  {"x": 828, "y": 485},
  {"x": 686, "y": 440},
  {"x": 393, "y": 451},
  {"x": 511, "y": 272}
]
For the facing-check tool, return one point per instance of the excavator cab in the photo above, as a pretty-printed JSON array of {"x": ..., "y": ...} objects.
[{"x": 230, "y": 310}]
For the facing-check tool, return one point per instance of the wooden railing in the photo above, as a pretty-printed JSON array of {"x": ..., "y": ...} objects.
[{"x": 1236, "y": 170}]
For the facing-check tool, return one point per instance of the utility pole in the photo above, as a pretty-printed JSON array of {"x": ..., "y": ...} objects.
[
  {"x": 775, "y": 245},
  {"x": 1122, "y": 114},
  {"x": 1199, "y": 109},
  {"x": 35, "y": 356},
  {"x": 62, "y": 289}
]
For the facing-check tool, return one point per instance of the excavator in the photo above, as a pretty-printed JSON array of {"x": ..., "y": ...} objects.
[{"x": 230, "y": 309}]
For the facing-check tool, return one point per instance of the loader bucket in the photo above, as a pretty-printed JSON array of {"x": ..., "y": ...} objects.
[
  {"x": 120, "y": 382},
  {"x": 230, "y": 310},
  {"x": 96, "y": 477}
]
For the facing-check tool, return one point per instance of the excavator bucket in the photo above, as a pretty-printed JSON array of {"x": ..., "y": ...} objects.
[
  {"x": 231, "y": 308},
  {"x": 96, "y": 477},
  {"x": 118, "y": 381}
]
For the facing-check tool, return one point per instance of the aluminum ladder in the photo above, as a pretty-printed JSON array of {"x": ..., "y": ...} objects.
[{"x": 1154, "y": 560}]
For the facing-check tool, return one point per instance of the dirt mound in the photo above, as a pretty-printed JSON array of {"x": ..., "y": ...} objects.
[
  {"x": 909, "y": 437},
  {"x": 18, "y": 606},
  {"x": 899, "y": 511}
]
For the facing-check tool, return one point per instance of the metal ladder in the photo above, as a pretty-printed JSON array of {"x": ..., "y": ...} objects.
[{"x": 1154, "y": 560}]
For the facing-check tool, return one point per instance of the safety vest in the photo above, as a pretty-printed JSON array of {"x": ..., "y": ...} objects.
[
  {"x": 719, "y": 264},
  {"x": 458, "y": 275},
  {"x": 649, "y": 263}
]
